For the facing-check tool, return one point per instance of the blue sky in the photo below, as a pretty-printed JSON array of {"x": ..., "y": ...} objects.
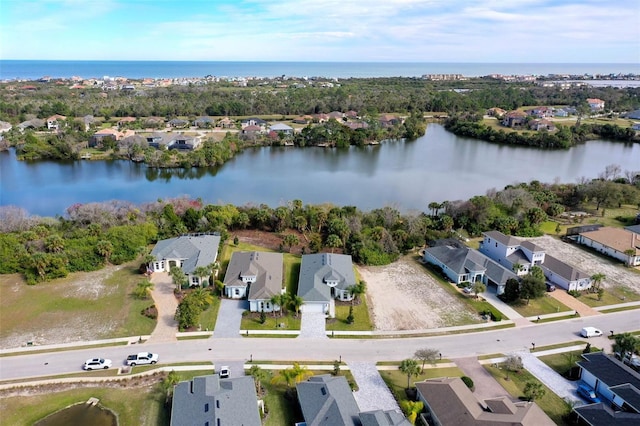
[{"x": 581, "y": 31}]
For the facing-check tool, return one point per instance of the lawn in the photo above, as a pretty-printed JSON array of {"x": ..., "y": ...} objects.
[
  {"x": 610, "y": 216},
  {"x": 561, "y": 363},
  {"x": 540, "y": 306},
  {"x": 397, "y": 381},
  {"x": 94, "y": 299},
  {"x": 360, "y": 315},
  {"x": 552, "y": 404},
  {"x": 611, "y": 296},
  {"x": 251, "y": 321},
  {"x": 208, "y": 317}
]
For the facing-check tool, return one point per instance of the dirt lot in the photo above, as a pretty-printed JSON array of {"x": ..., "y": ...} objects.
[
  {"x": 616, "y": 273},
  {"x": 403, "y": 296}
]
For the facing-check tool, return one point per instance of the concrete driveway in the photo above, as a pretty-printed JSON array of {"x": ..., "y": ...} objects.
[
  {"x": 166, "y": 304},
  {"x": 485, "y": 386},
  {"x": 313, "y": 326},
  {"x": 373, "y": 393},
  {"x": 229, "y": 318}
]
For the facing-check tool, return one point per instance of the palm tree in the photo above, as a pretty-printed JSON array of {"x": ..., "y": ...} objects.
[
  {"x": 104, "y": 248},
  {"x": 258, "y": 375},
  {"x": 54, "y": 243},
  {"x": 143, "y": 289},
  {"x": 202, "y": 298},
  {"x": 300, "y": 373},
  {"x": 296, "y": 302},
  {"x": 517, "y": 267},
  {"x": 597, "y": 279},
  {"x": 276, "y": 300},
  {"x": 334, "y": 242},
  {"x": 409, "y": 367},
  {"x": 357, "y": 290},
  {"x": 201, "y": 272},
  {"x": 286, "y": 376}
]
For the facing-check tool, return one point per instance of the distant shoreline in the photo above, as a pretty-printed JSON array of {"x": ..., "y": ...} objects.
[{"x": 35, "y": 69}]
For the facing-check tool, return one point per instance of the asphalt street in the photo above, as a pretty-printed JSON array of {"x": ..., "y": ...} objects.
[{"x": 358, "y": 350}]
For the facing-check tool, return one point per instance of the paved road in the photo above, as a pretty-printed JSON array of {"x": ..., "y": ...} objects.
[{"x": 363, "y": 350}]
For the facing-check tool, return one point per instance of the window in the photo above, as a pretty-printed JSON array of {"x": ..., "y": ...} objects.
[
  {"x": 496, "y": 244},
  {"x": 217, "y": 403},
  {"x": 236, "y": 292},
  {"x": 206, "y": 407},
  {"x": 262, "y": 306}
]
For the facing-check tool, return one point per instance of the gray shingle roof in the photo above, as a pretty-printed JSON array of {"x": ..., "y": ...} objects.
[
  {"x": 317, "y": 268},
  {"x": 209, "y": 399},
  {"x": 609, "y": 370},
  {"x": 602, "y": 415},
  {"x": 562, "y": 269},
  {"x": 265, "y": 266},
  {"x": 195, "y": 250},
  {"x": 507, "y": 240},
  {"x": 461, "y": 260},
  {"x": 383, "y": 418},
  {"x": 328, "y": 401}
]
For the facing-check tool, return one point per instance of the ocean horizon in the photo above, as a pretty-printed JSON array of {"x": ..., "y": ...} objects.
[{"x": 36, "y": 69}]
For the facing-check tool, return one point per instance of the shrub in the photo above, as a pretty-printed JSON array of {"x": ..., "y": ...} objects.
[
  {"x": 467, "y": 381},
  {"x": 574, "y": 293}
]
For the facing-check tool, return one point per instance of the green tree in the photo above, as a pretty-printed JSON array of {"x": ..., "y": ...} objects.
[
  {"x": 259, "y": 375},
  {"x": 427, "y": 355},
  {"x": 479, "y": 287},
  {"x": 201, "y": 272},
  {"x": 276, "y": 300},
  {"x": 290, "y": 240},
  {"x": 169, "y": 383},
  {"x": 532, "y": 287},
  {"x": 143, "y": 289},
  {"x": 411, "y": 368},
  {"x": 178, "y": 277},
  {"x": 411, "y": 409},
  {"x": 533, "y": 391},
  {"x": 511, "y": 290},
  {"x": 54, "y": 243},
  {"x": 104, "y": 248},
  {"x": 334, "y": 241},
  {"x": 201, "y": 297},
  {"x": 357, "y": 290},
  {"x": 187, "y": 313},
  {"x": 296, "y": 302},
  {"x": 597, "y": 280},
  {"x": 626, "y": 343}
]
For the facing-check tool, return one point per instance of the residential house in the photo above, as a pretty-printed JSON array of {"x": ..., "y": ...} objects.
[
  {"x": 521, "y": 256},
  {"x": 496, "y": 112},
  {"x": 257, "y": 276},
  {"x": 351, "y": 114},
  {"x": 323, "y": 278},
  {"x": 618, "y": 243},
  {"x": 203, "y": 122},
  {"x": 183, "y": 142},
  {"x": 178, "y": 123},
  {"x": 55, "y": 121},
  {"x": 303, "y": 119},
  {"x": 355, "y": 125},
  {"x": 541, "y": 112},
  {"x": 336, "y": 115},
  {"x": 617, "y": 386},
  {"x": 188, "y": 252},
  {"x": 635, "y": 126},
  {"x": 388, "y": 120},
  {"x": 561, "y": 112},
  {"x": 281, "y": 128},
  {"x": 254, "y": 121},
  {"x": 538, "y": 125},
  {"x": 252, "y": 131},
  {"x": 97, "y": 139},
  {"x": 327, "y": 400},
  {"x": 449, "y": 402},
  {"x": 154, "y": 122},
  {"x": 463, "y": 264},
  {"x": 320, "y": 118},
  {"x": 595, "y": 104},
  {"x": 125, "y": 121},
  {"x": 212, "y": 401},
  {"x": 158, "y": 140},
  {"x": 35, "y": 123},
  {"x": 634, "y": 115},
  {"x": 88, "y": 121},
  {"x": 634, "y": 228},
  {"x": 514, "y": 118},
  {"x": 225, "y": 123}
]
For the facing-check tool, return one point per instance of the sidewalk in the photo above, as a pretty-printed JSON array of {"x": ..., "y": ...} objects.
[{"x": 511, "y": 313}]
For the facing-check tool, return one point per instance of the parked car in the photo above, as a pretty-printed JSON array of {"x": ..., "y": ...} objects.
[
  {"x": 97, "y": 364},
  {"x": 632, "y": 360},
  {"x": 142, "y": 358},
  {"x": 467, "y": 290},
  {"x": 224, "y": 372},
  {"x": 551, "y": 287},
  {"x": 587, "y": 393},
  {"x": 590, "y": 332}
]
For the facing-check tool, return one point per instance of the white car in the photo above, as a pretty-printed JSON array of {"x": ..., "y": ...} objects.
[
  {"x": 97, "y": 364},
  {"x": 224, "y": 372},
  {"x": 142, "y": 358}
]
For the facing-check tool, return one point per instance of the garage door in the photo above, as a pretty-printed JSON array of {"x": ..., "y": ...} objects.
[{"x": 313, "y": 307}]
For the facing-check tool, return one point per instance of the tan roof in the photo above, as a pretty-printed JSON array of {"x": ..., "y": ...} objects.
[
  {"x": 453, "y": 404},
  {"x": 615, "y": 238}
]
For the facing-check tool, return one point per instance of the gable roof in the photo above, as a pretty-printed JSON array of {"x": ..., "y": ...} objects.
[
  {"x": 453, "y": 404},
  {"x": 602, "y": 415},
  {"x": 565, "y": 270},
  {"x": 615, "y": 238},
  {"x": 317, "y": 268},
  {"x": 198, "y": 250},
  {"x": 503, "y": 239},
  {"x": 279, "y": 127},
  {"x": 267, "y": 268},
  {"x": 327, "y": 401},
  {"x": 210, "y": 399},
  {"x": 383, "y": 418},
  {"x": 609, "y": 370},
  {"x": 464, "y": 259}
]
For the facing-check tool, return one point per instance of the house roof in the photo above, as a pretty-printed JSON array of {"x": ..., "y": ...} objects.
[
  {"x": 630, "y": 395},
  {"x": 609, "y": 370},
  {"x": 564, "y": 270},
  {"x": 252, "y": 128},
  {"x": 454, "y": 404},
  {"x": 464, "y": 259},
  {"x": 281, "y": 127},
  {"x": 210, "y": 399},
  {"x": 503, "y": 239},
  {"x": 195, "y": 250},
  {"x": 256, "y": 120},
  {"x": 615, "y": 238},
  {"x": 634, "y": 228},
  {"x": 316, "y": 268},
  {"x": 602, "y": 415},
  {"x": 265, "y": 266},
  {"x": 383, "y": 418},
  {"x": 327, "y": 400}
]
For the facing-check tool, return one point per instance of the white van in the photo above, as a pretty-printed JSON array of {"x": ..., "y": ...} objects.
[{"x": 590, "y": 332}]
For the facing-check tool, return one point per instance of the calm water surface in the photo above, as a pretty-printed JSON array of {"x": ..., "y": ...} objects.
[{"x": 407, "y": 175}]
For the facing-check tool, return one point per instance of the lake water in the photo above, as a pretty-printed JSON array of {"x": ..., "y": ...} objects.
[
  {"x": 405, "y": 174},
  {"x": 80, "y": 414}
]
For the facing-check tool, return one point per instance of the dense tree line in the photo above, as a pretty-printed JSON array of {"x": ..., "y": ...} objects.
[{"x": 91, "y": 235}]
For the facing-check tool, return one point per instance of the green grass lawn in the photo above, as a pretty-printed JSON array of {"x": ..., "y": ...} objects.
[
  {"x": 360, "y": 315},
  {"x": 610, "y": 216},
  {"x": 208, "y": 317},
  {"x": 552, "y": 404},
  {"x": 252, "y": 322},
  {"x": 540, "y": 306},
  {"x": 397, "y": 381},
  {"x": 611, "y": 296},
  {"x": 49, "y": 305},
  {"x": 561, "y": 363}
]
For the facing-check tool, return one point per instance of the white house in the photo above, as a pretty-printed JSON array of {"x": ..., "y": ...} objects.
[
  {"x": 509, "y": 251},
  {"x": 188, "y": 252},
  {"x": 325, "y": 277},
  {"x": 257, "y": 276},
  {"x": 618, "y": 243}
]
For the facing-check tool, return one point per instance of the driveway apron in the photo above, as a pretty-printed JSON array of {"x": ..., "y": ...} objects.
[
  {"x": 229, "y": 318},
  {"x": 166, "y": 304},
  {"x": 562, "y": 387},
  {"x": 313, "y": 326},
  {"x": 573, "y": 303},
  {"x": 373, "y": 393}
]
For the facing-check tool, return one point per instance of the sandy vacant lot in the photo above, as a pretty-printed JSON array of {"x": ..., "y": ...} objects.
[
  {"x": 403, "y": 296},
  {"x": 617, "y": 274}
]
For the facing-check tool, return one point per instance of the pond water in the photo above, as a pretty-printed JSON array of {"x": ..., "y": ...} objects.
[
  {"x": 80, "y": 415},
  {"x": 405, "y": 174}
]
